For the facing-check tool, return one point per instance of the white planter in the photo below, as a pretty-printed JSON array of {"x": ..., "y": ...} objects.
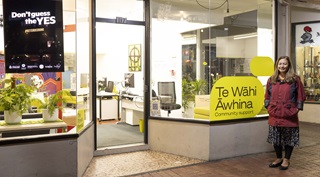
[
  {"x": 188, "y": 112},
  {"x": 47, "y": 117},
  {"x": 12, "y": 118}
]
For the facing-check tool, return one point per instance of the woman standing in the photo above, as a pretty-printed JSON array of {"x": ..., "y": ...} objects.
[{"x": 284, "y": 98}]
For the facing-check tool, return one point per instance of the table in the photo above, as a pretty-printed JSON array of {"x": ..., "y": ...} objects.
[
  {"x": 132, "y": 107},
  {"x": 111, "y": 104},
  {"x": 37, "y": 124}
]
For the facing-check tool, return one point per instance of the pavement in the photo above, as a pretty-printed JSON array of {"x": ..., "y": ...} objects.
[{"x": 304, "y": 162}]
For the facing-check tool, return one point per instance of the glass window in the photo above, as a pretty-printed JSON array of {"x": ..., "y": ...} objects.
[
  {"x": 128, "y": 9},
  {"x": 73, "y": 83},
  {"x": 307, "y": 52},
  {"x": 195, "y": 43}
]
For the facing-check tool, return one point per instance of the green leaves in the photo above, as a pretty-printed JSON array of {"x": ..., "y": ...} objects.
[
  {"x": 16, "y": 98},
  {"x": 54, "y": 101},
  {"x": 190, "y": 88}
]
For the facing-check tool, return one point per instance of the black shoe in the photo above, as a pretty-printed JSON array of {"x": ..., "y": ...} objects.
[
  {"x": 284, "y": 168},
  {"x": 274, "y": 165}
]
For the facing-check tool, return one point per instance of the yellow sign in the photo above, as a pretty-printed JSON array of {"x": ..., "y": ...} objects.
[
  {"x": 236, "y": 97},
  {"x": 262, "y": 66},
  {"x": 80, "y": 119}
]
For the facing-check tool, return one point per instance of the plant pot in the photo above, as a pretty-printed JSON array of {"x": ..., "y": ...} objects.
[
  {"x": 12, "y": 117},
  {"x": 47, "y": 117},
  {"x": 188, "y": 111}
]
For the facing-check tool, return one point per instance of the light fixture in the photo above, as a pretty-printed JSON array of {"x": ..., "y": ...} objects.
[{"x": 243, "y": 36}]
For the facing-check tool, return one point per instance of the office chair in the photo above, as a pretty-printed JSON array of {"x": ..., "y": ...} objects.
[
  {"x": 167, "y": 94},
  {"x": 110, "y": 86}
]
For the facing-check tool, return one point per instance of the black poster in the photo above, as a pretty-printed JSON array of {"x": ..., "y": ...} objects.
[{"x": 33, "y": 36}]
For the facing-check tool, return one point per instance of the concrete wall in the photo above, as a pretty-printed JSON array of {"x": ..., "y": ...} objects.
[
  {"x": 185, "y": 139},
  {"x": 310, "y": 113},
  {"x": 85, "y": 150},
  {"x": 65, "y": 157},
  {"x": 237, "y": 139},
  {"x": 49, "y": 158},
  {"x": 206, "y": 142}
]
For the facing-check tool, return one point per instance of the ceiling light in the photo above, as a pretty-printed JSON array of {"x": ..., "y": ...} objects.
[{"x": 243, "y": 36}]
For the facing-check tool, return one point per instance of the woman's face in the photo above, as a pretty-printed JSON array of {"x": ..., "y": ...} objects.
[{"x": 283, "y": 66}]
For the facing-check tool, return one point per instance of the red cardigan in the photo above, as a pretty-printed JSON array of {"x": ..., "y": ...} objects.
[{"x": 283, "y": 101}]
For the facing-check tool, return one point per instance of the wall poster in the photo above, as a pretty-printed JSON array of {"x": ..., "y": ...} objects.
[
  {"x": 134, "y": 61},
  {"x": 33, "y": 36}
]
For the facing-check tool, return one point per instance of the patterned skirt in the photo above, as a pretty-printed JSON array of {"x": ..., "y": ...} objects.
[{"x": 283, "y": 136}]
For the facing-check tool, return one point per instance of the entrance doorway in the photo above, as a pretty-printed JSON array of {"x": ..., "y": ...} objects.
[{"x": 120, "y": 97}]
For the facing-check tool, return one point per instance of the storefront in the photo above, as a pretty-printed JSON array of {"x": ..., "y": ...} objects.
[
  {"x": 122, "y": 57},
  {"x": 305, "y": 50},
  {"x": 54, "y": 37}
]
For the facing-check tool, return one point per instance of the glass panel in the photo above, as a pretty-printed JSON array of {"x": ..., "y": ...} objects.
[
  {"x": 119, "y": 84},
  {"x": 83, "y": 65},
  {"x": 129, "y": 9},
  {"x": 194, "y": 43},
  {"x": 49, "y": 83},
  {"x": 307, "y": 52}
]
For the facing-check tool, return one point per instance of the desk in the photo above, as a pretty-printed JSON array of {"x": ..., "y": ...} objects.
[
  {"x": 132, "y": 108},
  {"x": 112, "y": 105},
  {"x": 32, "y": 126}
]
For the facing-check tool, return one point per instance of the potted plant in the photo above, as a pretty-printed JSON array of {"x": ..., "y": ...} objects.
[
  {"x": 187, "y": 93},
  {"x": 199, "y": 86},
  {"x": 51, "y": 105},
  {"x": 15, "y": 100},
  {"x": 191, "y": 88}
]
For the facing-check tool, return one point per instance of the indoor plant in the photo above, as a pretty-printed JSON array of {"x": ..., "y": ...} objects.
[
  {"x": 51, "y": 105},
  {"x": 190, "y": 88},
  {"x": 187, "y": 93},
  {"x": 15, "y": 100}
]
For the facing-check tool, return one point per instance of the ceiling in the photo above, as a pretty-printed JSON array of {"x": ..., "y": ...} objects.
[
  {"x": 194, "y": 10},
  {"x": 238, "y": 17},
  {"x": 197, "y": 10}
]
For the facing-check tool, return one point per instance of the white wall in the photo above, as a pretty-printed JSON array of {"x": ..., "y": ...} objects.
[
  {"x": 113, "y": 41},
  {"x": 227, "y": 47}
]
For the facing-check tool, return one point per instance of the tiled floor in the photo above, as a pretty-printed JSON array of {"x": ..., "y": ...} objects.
[{"x": 305, "y": 162}]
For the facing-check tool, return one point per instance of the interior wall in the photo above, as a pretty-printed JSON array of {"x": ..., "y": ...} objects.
[{"x": 113, "y": 41}]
